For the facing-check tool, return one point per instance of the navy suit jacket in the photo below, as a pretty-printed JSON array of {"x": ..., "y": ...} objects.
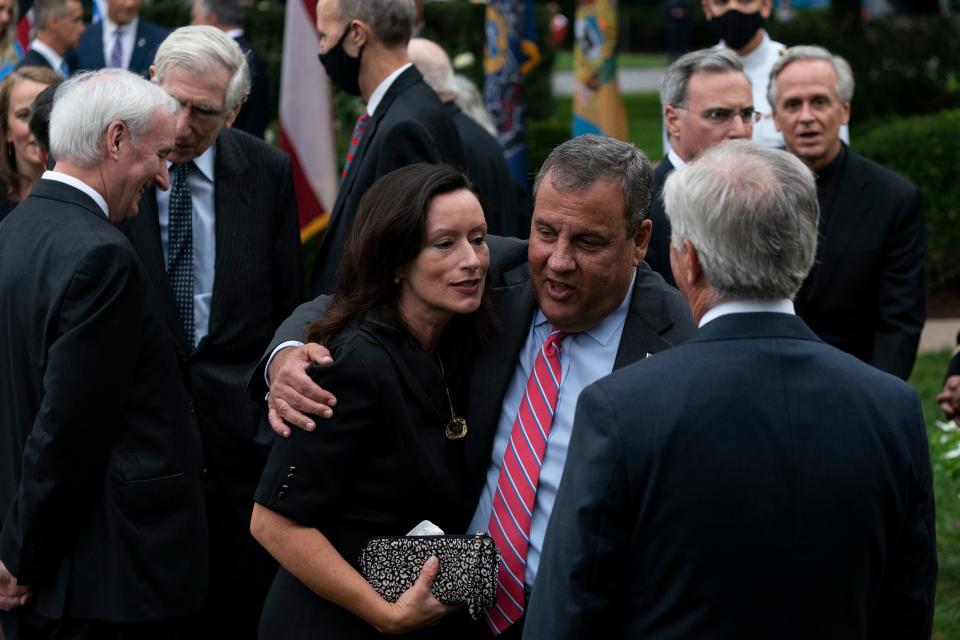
[
  {"x": 864, "y": 294},
  {"x": 33, "y": 58},
  {"x": 752, "y": 482},
  {"x": 258, "y": 281},
  {"x": 88, "y": 56},
  {"x": 101, "y": 501},
  {"x": 410, "y": 125},
  {"x": 658, "y": 250}
]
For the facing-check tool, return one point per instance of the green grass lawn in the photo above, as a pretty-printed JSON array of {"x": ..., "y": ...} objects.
[
  {"x": 564, "y": 61},
  {"x": 927, "y": 379}
]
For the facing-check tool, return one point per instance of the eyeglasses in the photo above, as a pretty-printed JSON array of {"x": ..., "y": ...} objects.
[{"x": 722, "y": 116}]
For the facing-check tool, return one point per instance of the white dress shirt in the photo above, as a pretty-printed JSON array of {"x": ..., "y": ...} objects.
[
  {"x": 586, "y": 357},
  {"x": 780, "y": 305},
  {"x": 201, "y": 183},
  {"x": 128, "y": 39}
]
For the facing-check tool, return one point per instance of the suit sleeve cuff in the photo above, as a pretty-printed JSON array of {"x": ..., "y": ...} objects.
[{"x": 280, "y": 347}]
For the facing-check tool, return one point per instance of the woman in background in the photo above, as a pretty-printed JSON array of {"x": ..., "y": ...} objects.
[
  {"x": 21, "y": 161},
  {"x": 10, "y": 49}
]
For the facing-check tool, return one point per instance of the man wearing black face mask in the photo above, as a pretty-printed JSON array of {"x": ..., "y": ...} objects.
[{"x": 363, "y": 47}]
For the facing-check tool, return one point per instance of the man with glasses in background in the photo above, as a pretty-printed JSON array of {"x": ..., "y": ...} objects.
[{"x": 705, "y": 96}]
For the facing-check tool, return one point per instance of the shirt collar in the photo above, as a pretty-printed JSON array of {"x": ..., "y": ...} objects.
[
  {"x": 110, "y": 27},
  {"x": 235, "y": 33},
  {"x": 675, "y": 160},
  {"x": 603, "y": 331},
  {"x": 833, "y": 167},
  {"x": 779, "y": 305},
  {"x": 76, "y": 183},
  {"x": 54, "y": 58},
  {"x": 382, "y": 88},
  {"x": 204, "y": 162}
]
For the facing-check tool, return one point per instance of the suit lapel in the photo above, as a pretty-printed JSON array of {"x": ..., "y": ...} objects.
[
  {"x": 853, "y": 200},
  {"x": 231, "y": 207},
  {"x": 144, "y": 234},
  {"x": 647, "y": 321}
]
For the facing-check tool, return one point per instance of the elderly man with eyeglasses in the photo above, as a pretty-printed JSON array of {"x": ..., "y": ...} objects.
[{"x": 706, "y": 99}]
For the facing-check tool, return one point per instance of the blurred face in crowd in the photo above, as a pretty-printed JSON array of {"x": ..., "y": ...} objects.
[
  {"x": 27, "y": 153},
  {"x": 582, "y": 261},
  {"x": 202, "y": 96},
  {"x": 199, "y": 15},
  {"x": 65, "y": 29},
  {"x": 123, "y": 11},
  {"x": 447, "y": 276},
  {"x": 718, "y": 106},
  {"x": 809, "y": 112},
  {"x": 6, "y": 13},
  {"x": 139, "y": 166},
  {"x": 716, "y": 8}
]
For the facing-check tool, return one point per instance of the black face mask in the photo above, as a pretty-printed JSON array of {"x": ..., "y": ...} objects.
[
  {"x": 343, "y": 70},
  {"x": 736, "y": 28}
]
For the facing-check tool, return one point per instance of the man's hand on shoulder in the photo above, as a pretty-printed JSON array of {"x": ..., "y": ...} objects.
[
  {"x": 949, "y": 398},
  {"x": 12, "y": 595},
  {"x": 294, "y": 397}
]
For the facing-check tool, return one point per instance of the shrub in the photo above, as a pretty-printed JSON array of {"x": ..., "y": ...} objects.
[{"x": 926, "y": 150}]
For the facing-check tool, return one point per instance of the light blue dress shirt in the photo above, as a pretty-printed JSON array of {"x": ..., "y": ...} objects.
[
  {"x": 204, "y": 236},
  {"x": 586, "y": 357}
]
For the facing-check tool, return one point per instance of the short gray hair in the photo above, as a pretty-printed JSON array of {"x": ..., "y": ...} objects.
[
  {"x": 673, "y": 87},
  {"x": 751, "y": 212},
  {"x": 227, "y": 11},
  {"x": 841, "y": 67},
  {"x": 200, "y": 49},
  {"x": 391, "y": 20},
  {"x": 471, "y": 103},
  {"x": 579, "y": 163},
  {"x": 43, "y": 10},
  {"x": 88, "y": 102}
]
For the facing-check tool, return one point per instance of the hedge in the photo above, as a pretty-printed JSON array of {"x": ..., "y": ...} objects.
[{"x": 926, "y": 150}]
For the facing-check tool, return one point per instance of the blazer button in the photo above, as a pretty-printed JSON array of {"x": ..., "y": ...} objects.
[{"x": 282, "y": 495}]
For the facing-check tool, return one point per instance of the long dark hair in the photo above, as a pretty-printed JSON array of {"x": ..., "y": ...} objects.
[{"x": 388, "y": 233}]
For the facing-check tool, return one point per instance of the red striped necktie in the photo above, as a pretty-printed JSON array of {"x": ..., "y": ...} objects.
[
  {"x": 355, "y": 141},
  {"x": 517, "y": 484}
]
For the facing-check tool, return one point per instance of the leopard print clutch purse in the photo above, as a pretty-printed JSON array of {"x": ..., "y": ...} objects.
[{"x": 467, "y": 575}]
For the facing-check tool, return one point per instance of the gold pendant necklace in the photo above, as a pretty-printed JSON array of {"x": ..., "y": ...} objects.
[{"x": 457, "y": 427}]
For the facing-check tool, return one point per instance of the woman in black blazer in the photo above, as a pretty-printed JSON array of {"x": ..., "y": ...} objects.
[{"x": 408, "y": 314}]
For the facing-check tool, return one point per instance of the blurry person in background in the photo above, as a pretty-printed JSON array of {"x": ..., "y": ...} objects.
[
  {"x": 21, "y": 163},
  {"x": 10, "y": 49}
]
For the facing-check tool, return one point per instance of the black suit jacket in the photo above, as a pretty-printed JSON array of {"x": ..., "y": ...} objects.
[
  {"x": 104, "y": 515},
  {"x": 658, "y": 250},
  {"x": 88, "y": 55},
  {"x": 410, "y": 125},
  {"x": 378, "y": 467},
  {"x": 865, "y": 292},
  {"x": 32, "y": 58},
  {"x": 255, "y": 112},
  {"x": 487, "y": 168},
  {"x": 771, "y": 487},
  {"x": 257, "y": 283}
]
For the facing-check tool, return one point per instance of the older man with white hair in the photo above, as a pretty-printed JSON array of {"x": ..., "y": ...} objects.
[
  {"x": 775, "y": 486},
  {"x": 222, "y": 248},
  {"x": 100, "y": 474}
]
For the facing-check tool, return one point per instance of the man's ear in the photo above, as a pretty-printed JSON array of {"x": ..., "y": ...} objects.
[
  {"x": 116, "y": 134},
  {"x": 846, "y": 113},
  {"x": 670, "y": 116},
  {"x": 232, "y": 116},
  {"x": 641, "y": 241}
]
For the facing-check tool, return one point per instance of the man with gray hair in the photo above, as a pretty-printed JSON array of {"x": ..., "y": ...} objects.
[
  {"x": 864, "y": 294},
  {"x": 483, "y": 158},
  {"x": 705, "y": 97},
  {"x": 58, "y": 25},
  {"x": 776, "y": 486},
  {"x": 104, "y": 533},
  {"x": 222, "y": 248},
  {"x": 363, "y": 47},
  {"x": 580, "y": 293},
  {"x": 228, "y": 16}
]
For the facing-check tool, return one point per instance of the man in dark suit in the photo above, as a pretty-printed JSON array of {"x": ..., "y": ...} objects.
[
  {"x": 865, "y": 292},
  {"x": 227, "y": 15},
  {"x": 706, "y": 99},
  {"x": 122, "y": 39},
  {"x": 774, "y": 486},
  {"x": 58, "y": 25},
  {"x": 222, "y": 247},
  {"x": 100, "y": 489},
  {"x": 365, "y": 54},
  {"x": 583, "y": 275},
  {"x": 484, "y": 162}
]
